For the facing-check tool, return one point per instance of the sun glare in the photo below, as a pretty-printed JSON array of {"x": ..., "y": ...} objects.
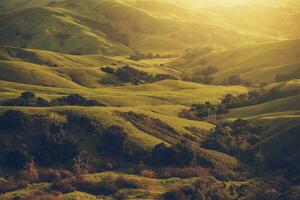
[{"x": 219, "y": 2}]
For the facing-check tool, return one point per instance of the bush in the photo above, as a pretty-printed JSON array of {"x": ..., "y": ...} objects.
[
  {"x": 114, "y": 141},
  {"x": 27, "y": 99},
  {"x": 187, "y": 172},
  {"x": 185, "y": 192},
  {"x": 139, "y": 56},
  {"x": 12, "y": 185},
  {"x": 41, "y": 196},
  {"x": 76, "y": 100},
  {"x": 106, "y": 187},
  {"x": 123, "y": 182},
  {"x": 148, "y": 173},
  {"x": 53, "y": 175},
  {"x": 40, "y": 137},
  {"x": 234, "y": 138},
  {"x": 208, "y": 110},
  {"x": 234, "y": 80},
  {"x": 30, "y": 173},
  {"x": 209, "y": 71},
  {"x": 16, "y": 159},
  {"x": 175, "y": 194},
  {"x": 131, "y": 75},
  {"x": 178, "y": 155},
  {"x": 108, "y": 70},
  {"x": 65, "y": 186},
  {"x": 12, "y": 119}
]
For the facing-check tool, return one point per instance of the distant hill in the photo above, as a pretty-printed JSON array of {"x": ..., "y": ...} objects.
[
  {"x": 256, "y": 63},
  {"x": 113, "y": 27}
]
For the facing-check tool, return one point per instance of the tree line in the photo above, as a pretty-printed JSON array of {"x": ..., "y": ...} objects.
[
  {"x": 128, "y": 74},
  {"x": 31, "y": 100}
]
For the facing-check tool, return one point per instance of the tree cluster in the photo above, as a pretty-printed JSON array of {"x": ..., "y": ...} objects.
[
  {"x": 38, "y": 137},
  {"x": 208, "y": 110},
  {"x": 29, "y": 99},
  {"x": 251, "y": 98},
  {"x": 234, "y": 138},
  {"x": 175, "y": 155},
  {"x": 204, "y": 76},
  {"x": 130, "y": 75},
  {"x": 237, "y": 80},
  {"x": 140, "y": 56}
]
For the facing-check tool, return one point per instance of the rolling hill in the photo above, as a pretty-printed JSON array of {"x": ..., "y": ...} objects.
[
  {"x": 114, "y": 27},
  {"x": 256, "y": 63},
  {"x": 57, "y": 55}
]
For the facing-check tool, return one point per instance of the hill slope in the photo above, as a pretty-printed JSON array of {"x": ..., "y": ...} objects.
[
  {"x": 112, "y": 27},
  {"x": 256, "y": 63}
]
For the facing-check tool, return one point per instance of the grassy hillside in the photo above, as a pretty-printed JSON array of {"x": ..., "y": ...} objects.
[
  {"x": 79, "y": 115},
  {"x": 256, "y": 63},
  {"x": 56, "y": 29},
  {"x": 113, "y": 27},
  {"x": 284, "y": 107},
  {"x": 282, "y": 150}
]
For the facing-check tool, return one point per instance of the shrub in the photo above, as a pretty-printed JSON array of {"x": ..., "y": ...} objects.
[
  {"x": 108, "y": 70},
  {"x": 16, "y": 159},
  {"x": 81, "y": 164},
  {"x": 123, "y": 182},
  {"x": 187, "y": 172},
  {"x": 179, "y": 155},
  {"x": 27, "y": 95},
  {"x": 40, "y": 137},
  {"x": 209, "y": 71},
  {"x": 208, "y": 110},
  {"x": 148, "y": 173},
  {"x": 12, "y": 119},
  {"x": 140, "y": 56},
  {"x": 41, "y": 196},
  {"x": 76, "y": 100},
  {"x": 131, "y": 75},
  {"x": 234, "y": 138},
  {"x": 12, "y": 185},
  {"x": 65, "y": 186},
  {"x": 185, "y": 192},
  {"x": 49, "y": 150},
  {"x": 53, "y": 175},
  {"x": 30, "y": 173},
  {"x": 175, "y": 194},
  {"x": 106, "y": 187},
  {"x": 27, "y": 99},
  {"x": 114, "y": 141},
  {"x": 234, "y": 80}
]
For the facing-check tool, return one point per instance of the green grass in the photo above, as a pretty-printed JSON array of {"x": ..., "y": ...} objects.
[
  {"x": 285, "y": 107},
  {"x": 24, "y": 191},
  {"x": 256, "y": 63},
  {"x": 169, "y": 92},
  {"x": 33, "y": 74},
  {"x": 86, "y": 27}
]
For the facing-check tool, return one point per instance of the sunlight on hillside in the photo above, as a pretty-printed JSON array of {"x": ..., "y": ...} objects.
[
  {"x": 149, "y": 99},
  {"x": 219, "y": 2}
]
